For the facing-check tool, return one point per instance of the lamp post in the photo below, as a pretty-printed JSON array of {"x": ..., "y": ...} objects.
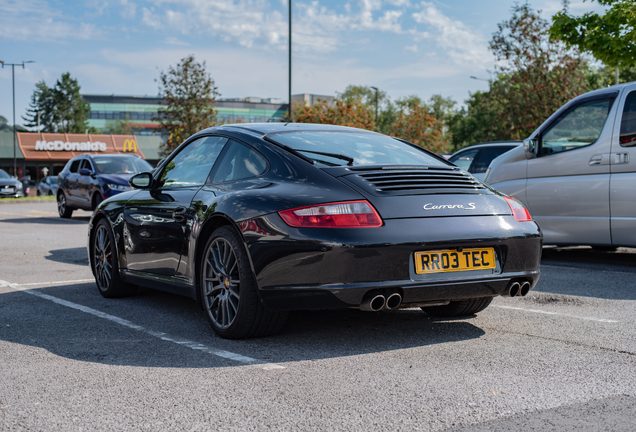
[
  {"x": 376, "y": 105},
  {"x": 13, "y": 65},
  {"x": 289, "y": 3}
]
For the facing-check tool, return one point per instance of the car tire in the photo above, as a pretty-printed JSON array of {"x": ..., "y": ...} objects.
[
  {"x": 38, "y": 193},
  {"x": 229, "y": 291},
  {"x": 459, "y": 308},
  {"x": 105, "y": 265},
  {"x": 62, "y": 206},
  {"x": 97, "y": 199},
  {"x": 50, "y": 193}
]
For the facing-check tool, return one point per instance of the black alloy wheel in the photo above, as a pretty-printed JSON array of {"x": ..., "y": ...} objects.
[
  {"x": 62, "y": 207},
  {"x": 459, "y": 308},
  {"x": 105, "y": 266},
  {"x": 229, "y": 292}
]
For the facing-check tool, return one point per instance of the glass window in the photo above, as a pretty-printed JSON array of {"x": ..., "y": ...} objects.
[
  {"x": 363, "y": 148},
  {"x": 240, "y": 162},
  {"x": 120, "y": 165},
  {"x": 192, "y": 165},
  {"x": 463, "y": 160},
  {"x": 75, "y": 165},
  {"x": 86, "y": 165},
  {"x": 578, "y": 127},
  {"x": 628, "y": 123},
  {"x": 486, "y": 155}
]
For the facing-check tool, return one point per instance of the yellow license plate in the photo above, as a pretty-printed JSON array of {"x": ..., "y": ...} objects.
[{"x": 451, "y": 260}]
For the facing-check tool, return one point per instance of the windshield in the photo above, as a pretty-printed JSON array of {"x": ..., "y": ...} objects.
[
  {"x": 121, "y": 165},
  {"x": 4, "y": 174},
  {"x": 363, "y": 148},
  {"x": 53, "y": 180}
]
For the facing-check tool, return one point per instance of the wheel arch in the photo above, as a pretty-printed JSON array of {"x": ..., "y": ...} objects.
[{"x": 211, "y": 224}]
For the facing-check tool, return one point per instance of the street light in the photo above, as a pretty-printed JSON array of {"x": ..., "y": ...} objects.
[
  {"x": 13, "y": 65},
  {"x": 290, "y": 59},
  {"x": 376, "y": 105}
]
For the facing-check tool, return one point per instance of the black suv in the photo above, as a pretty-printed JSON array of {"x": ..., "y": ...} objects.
[{"x": 89, "y": 179}]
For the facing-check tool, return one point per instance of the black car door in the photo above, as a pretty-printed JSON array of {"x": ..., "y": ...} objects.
[{"x": 158, "y": 221}]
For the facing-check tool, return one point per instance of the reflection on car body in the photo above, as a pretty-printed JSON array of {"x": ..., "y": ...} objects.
[{"x": 255, "y": 220}]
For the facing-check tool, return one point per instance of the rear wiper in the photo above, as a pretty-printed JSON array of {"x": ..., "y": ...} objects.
[{"x": 333, "y": 155}]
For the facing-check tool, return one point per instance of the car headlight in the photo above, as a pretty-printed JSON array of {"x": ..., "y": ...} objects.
[
  {"x": 20, "y": 186},
  {"x": 117, "y": 187}
]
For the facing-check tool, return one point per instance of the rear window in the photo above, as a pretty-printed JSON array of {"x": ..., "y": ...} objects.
[{"x": 363, "y": 148}]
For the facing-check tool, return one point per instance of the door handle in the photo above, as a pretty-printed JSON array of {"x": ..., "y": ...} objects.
[
  {"x": 620, "y": 158},
  {"x": 596, "y": 159},
  {"x": 179, "y": 214}
]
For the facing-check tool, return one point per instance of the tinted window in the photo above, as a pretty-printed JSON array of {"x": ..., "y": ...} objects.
[
  {"x": 120, "y": 165},
  {"x": 86, "y": 164},
  {"x": 192, "y": 165},
  {"x": 4, "y": 174},
  {"x": 486, "y": 155},
  {"x": 364, "y": 148},
  {"x": 464, "y": 159},
  {"x": 240, "y": 162},
  {"x": 578, "y": 127},
  {"x": 75, "y": 165},
  {"x": 628, "y": 123}
]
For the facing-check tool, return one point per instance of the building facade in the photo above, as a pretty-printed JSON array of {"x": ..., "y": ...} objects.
[{"x": 143, "y": 110}]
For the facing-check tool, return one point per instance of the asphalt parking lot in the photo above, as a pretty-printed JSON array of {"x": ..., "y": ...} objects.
[{"x": 563, "y": 358}]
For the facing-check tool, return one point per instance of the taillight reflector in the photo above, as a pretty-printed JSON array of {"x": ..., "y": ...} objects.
[
  {"x": 520, "y": 211},
  {"x": 350, "y": 214}
]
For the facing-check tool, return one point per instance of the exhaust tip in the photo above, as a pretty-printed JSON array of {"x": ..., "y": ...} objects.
[
  {"x": 513, "y": 291},
  {"x": 393, "y": 301},
  {"x": 373, "y": 304},
  {"x": 525, "y": 289}
]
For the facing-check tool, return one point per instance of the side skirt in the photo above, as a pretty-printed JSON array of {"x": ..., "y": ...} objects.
[{"x": 169, "y": 284}]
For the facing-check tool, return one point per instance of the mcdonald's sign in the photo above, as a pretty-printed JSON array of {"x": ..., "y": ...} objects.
[{"x": 130, "y": 145}]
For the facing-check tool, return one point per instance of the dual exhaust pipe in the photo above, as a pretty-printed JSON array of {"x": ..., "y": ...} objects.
[
  {"x": 518, "y": 289},
  {"x": 377, "y": 302}
]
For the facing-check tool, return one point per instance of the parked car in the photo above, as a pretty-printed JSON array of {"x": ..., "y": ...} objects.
[
  {"x": 577, "y": 172},
  {"x": 10, "y": 187},
  {"x": 47, "y": 186},
  {"x": 476, "y": 158},
  {"x": 88, "y": 179},
  {"x": 255, "y": 220}
]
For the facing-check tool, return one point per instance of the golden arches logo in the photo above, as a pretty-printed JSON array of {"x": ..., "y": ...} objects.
[{"x": 130, "y": 145}]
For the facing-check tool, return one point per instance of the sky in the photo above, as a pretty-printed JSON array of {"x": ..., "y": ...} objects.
[{"x": 403, "y": 47}]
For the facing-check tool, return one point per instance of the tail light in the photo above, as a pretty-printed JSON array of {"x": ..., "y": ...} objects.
[
  {"x": 520, "y": 211},
  {"x": 350, "y": 214}
]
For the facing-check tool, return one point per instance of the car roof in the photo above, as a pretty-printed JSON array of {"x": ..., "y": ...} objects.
[
  {"x": 269, "y": 128},
  {"x": 489, "y": 144}
]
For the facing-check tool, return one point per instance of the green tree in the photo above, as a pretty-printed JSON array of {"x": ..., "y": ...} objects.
[
  {"x": 189, "y": 95},
  {"x": 536, "y": 76},
  {"x": 610, "y": 38},
  {"x": 475, "y": 123},
  {"x": 42, "y": 102},
  {"x": 70, "y": 110}
]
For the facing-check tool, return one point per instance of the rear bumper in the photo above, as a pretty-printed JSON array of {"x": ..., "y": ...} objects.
[{"x": 336, "y": 268}]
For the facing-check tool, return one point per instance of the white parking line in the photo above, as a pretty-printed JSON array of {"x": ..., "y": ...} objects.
[
  {"x": 160, "y": 335},
  {"x": 556, "y": 313}
]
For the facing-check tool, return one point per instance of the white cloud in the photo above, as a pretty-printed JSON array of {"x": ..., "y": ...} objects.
[
  {"x": 149, "y": 18},
  {"x": 35, "y": 20},
  {"x": 129, "y": 9},
  {"x": 464, "y": 46},
  {"x": 412, "y": 48}
]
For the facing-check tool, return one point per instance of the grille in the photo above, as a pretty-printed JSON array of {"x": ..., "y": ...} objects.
[{"x": 419, "y": 181}]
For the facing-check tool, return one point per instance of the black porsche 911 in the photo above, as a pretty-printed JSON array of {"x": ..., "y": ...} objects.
[{"x": 255, "y": 220}]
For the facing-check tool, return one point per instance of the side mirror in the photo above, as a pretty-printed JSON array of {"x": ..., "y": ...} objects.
[
  {"x": 141, "y": 181},
  {"x": 530, "y": 146},
  {"x": 85, "y": 172}
]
